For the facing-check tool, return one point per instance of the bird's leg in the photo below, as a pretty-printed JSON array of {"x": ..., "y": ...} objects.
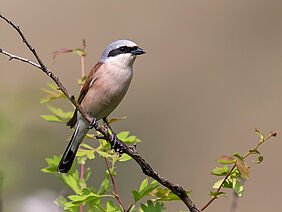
[
  {"x": 93, "y": 124},
  {"x": 116, "y": 144},
  {"x": 107, "y": 125}
]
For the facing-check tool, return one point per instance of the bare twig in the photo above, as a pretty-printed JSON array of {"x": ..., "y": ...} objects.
[
  {"x": 131, "y": 151},
  {"x": 11, "y": 57}
]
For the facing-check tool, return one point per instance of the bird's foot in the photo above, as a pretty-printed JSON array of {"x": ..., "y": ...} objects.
[
  {"x": 93, "y": 124},
  {"x": 116, "y": 144}
]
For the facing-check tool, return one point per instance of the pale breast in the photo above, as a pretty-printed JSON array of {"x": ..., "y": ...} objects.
[{"x": 107, "y": 91}]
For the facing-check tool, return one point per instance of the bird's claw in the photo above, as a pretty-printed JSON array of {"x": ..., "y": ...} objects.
[
  {"x": 93, "y": 124},
  {"x": 116, "y": 144}
]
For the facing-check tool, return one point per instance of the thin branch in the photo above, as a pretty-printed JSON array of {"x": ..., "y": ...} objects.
[
  {"x": 11, "y": 57},
  {"x": 113, "y": 181},
  {"x": 131, "y": 151},
  {"x": 81, "y": 179},
  {"x": 82, "y": 59}
]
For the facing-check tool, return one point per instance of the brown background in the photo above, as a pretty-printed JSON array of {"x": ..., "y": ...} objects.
[{"x": 212, "y": 73}]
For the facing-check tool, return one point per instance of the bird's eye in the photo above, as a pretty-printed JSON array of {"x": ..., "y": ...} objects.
[{"x": 122, "y": 48}]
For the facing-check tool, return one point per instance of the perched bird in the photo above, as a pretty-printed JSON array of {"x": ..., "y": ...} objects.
[{"x": 102, "y": 92}]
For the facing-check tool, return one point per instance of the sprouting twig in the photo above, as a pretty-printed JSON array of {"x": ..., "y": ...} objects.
[
  {"x": 81, "y": 179},
  {"x": 146, "y": 168},
  {"x": 272, "y": 134},
  {"x": 82, "y": 59}
]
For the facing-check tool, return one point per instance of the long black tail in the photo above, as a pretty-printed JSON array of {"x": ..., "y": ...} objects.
[{"x": 69, "y": 155}]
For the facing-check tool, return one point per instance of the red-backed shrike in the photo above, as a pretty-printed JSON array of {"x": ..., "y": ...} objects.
[{"x": 102, "y": 92}]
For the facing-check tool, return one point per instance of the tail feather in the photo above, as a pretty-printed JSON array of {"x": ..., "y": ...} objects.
[{"x": 69, "y": 155}]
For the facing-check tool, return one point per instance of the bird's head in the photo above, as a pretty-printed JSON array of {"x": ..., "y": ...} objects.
[{"x": 121, "y": 53}]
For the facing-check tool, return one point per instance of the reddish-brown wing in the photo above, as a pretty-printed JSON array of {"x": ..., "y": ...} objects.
[{"x": 83, "y": 91}]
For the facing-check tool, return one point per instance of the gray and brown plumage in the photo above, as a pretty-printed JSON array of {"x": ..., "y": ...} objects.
[{"x": 103, "y": 90}]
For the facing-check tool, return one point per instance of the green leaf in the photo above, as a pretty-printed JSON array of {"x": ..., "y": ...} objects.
[
  {"x": 51, "y": 118},
  {"x": 124, "y": 157},
  {"x": 151, "y": 207},
  {"x": 123, "y": 135},
  {"x": 87, "y": 174},
  {"x": 143, "y": 185},
  {"x": 237, "y": 187},
  {"x": 136, "y": 195},
  {"x": 54, "y": 93},
  {"x": 81, "y": 152},
  {"x": 144, "y": 189},
  {"x": 76, "y": 200},
  {"x": 227, "y": 184},
  {"x": 169, "y": 196},
  {"x": 104, "y": 187},
  {"x": 52, "y": 86},
  {"x": 61, "y": 202},
  {"x": 79, "y": 52},
  {"x": 216, "y": 194},
  {"x": 71, "y": 180},
  {"x": 242, "y": 168},
  {"x": 86, "y": 146},
  {"x": 90, "y": 154},
  {"x": 237, "y": 155},
  {"x": 226, "y": 160},
  {"x": 60, "y": 115},
  {"x": 52, "y": 165},
  {"x": 128, "y": 139},
  {"x": 102, "y": 153},
  {"x": 220, "y": 171},
  {"x": 111, "y": 207}
]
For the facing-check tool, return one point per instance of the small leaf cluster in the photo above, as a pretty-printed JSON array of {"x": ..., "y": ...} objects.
[
  {"x": 239, "y": 171},
  {"x": 236, "y": 175}
]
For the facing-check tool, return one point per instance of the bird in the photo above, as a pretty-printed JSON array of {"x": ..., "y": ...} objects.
[{"x": 103, "y": 90}]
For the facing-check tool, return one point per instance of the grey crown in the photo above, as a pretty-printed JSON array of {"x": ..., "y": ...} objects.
[{"x": 115, "y": 45}]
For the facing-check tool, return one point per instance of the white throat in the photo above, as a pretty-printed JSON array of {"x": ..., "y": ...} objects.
[{"x": 121, "y": 61}]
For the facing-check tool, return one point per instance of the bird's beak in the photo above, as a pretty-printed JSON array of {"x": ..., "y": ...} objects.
[{"x": 138, "y": 51}]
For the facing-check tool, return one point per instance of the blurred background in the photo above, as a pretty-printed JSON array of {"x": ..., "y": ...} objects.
[{"x": 212, "y": 73}]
